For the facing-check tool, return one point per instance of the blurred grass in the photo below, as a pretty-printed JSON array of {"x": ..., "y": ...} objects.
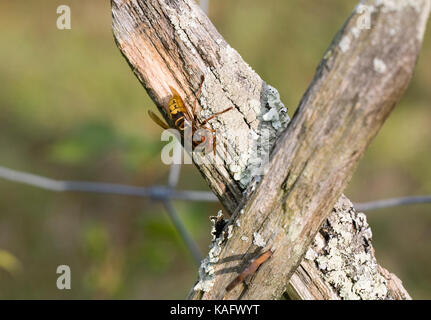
[
  {"x": 9, "y": 262},
  {"x": 70, "y": 108}
]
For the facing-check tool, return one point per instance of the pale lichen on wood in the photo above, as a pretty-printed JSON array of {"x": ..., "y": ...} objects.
[
  {"x": 340, "y": 263},
  {"x": 346, "y": 260},
  {"x": 206, "y": 269}
]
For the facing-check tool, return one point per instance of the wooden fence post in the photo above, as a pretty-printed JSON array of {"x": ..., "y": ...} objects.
[{"x": 359, "y": 81}]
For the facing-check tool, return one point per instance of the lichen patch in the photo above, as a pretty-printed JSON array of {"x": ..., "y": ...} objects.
[
  {"x": 258, "y": 240},
  {"x": 244, "y": 238},
  {"x": 345, "y": 256},
  {"x": 272, "y": 119},
  {"x": 397, "y": 5},
  {"x": 379, "y": 65},
  {"x": 207, "y": 268},
  {"x": 344, "y": 44}
]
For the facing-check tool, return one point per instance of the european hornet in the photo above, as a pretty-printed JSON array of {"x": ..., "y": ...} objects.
[{"x": 181, "y": 117}]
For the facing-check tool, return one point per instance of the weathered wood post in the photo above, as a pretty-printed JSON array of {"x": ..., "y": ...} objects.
[{"x": 360, "y": 79}]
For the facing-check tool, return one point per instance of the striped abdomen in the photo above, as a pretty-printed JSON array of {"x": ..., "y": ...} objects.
[{"x": 177, "y": 112}]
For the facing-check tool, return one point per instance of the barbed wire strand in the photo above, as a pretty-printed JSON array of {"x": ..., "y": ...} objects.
[
  {"x": 167, "y": 193},
  {"x": 182, "y": 230},
  {"x": 155, "y": 192},
  {"x": 394, "y": 202},
  {"x": 161, "y": 193},
  {"x": 173, "y": 179}
]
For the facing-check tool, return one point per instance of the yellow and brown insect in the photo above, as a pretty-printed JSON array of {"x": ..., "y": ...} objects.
[{"x": 181, "y": 117}]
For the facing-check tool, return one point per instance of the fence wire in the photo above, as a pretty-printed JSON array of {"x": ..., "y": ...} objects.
[{"x": 166, "y": 194}]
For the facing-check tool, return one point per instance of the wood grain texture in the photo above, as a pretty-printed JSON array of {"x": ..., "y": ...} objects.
[{"x": 359, "y": 81}]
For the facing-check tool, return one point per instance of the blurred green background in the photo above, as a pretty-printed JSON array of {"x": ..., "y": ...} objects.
[{"x": 70, "y": 108}]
